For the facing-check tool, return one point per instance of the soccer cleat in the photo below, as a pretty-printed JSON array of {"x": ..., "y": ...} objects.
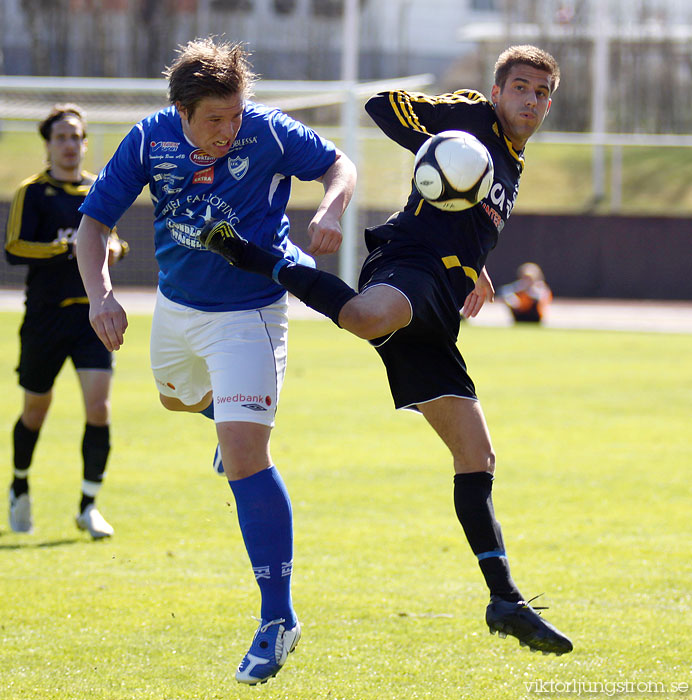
[
  {"x": 90, "y": 519},
  {"x": 521, "y": 621},
  {"x": 217, "y": 463},
  {"x": 220, "y": 237},
  {"x": 270, "y": 646},
  {"x": 20, "y": 513}
]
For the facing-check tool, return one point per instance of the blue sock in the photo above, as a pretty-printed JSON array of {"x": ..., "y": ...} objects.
[
  {"x": 266, "y": 522},
  {"x": 216, "y": 462},
  {"x": 209, "y": 410}
]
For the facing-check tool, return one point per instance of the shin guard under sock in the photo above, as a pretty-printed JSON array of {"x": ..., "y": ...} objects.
[
  {"x": 474, "y": 507},
  {"x": 321, "y": 291},
  {"x": 266, "y": 522}
]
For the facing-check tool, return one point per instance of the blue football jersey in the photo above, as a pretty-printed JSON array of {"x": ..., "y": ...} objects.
[{"x": 250, "y": 187}]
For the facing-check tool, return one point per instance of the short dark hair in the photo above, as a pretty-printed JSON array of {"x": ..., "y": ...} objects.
[
  {"x": 58, "y": 112},
  {"x": 208, "y": 68},
  {"x": 527, "y": 55}
]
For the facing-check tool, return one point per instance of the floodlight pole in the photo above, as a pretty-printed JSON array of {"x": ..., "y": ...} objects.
[{"x": 349, "y": 128}]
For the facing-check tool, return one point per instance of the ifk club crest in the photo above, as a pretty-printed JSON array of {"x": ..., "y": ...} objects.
[{"x": 238, "y": 166}]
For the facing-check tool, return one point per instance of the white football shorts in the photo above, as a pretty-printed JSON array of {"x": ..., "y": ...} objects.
[{"x": 239, "y": 355}]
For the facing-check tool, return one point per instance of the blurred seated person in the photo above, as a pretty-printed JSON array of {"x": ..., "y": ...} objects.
[{"x": 529, "y": 296}]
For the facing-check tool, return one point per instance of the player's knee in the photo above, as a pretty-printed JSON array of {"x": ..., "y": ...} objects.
[
  {"x": 98, "y": 412},
  {"x": 244, "y": 448},
  {"x": 33, "y": 418},
  {"x": 365, "y": 321},
  {"x": 490, "y": 462},
  {"x": 479, "y": 461},
  {"x": 485, "y": 460},
  {"x": 35, "y": 409}
]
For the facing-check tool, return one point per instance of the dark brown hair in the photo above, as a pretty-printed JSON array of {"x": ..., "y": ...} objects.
[
  {"x": 59, "y": 112},
  {"x": 207, "y": 68},
  {"x": 529, "y": 56}
]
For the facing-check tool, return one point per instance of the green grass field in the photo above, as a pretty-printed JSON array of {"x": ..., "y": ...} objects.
[
  {"x": 557, "y": 178},
  {"x": 592, "y": 435}
]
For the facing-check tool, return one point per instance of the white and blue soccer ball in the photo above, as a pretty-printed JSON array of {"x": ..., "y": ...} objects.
[{"x": 453, "y": 171}]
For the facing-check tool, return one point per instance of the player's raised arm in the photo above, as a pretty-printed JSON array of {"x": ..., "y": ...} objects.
[
  {"x": 106, "y": 315},
  {"x": 410, "y": 118},
  {"x": 339, "y": 183},
  {"x": 403, "y": 116}
]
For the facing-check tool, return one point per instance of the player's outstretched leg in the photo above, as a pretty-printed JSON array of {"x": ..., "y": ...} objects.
[{"x": 325, "y": 293}]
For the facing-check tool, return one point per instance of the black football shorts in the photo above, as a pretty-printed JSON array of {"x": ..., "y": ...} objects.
[
  {"x": 49, "y": 336},
  {"x": 422, "y": 360}
]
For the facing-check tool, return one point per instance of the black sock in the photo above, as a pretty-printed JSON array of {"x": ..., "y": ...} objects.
[
  {"x": 474, "y": 507},
  {"x": 24, "y": 441},
  {"x": 95, "y": 449},
  {"x": 258, "y": 260},
  {"x": 321, "y": 291}
]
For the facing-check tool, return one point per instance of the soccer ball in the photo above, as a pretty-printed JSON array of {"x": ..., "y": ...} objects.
[{"x": 453, "y": 170}]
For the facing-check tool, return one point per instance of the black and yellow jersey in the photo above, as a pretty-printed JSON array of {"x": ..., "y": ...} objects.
[
  {"x": 461, "y": 239},
  {"x": 41, "y": 231}
]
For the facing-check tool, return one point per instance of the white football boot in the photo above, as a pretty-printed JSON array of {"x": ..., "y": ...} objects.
[
  {"x": 20, "y": 513},
  {"x": 90, "y": 519}
]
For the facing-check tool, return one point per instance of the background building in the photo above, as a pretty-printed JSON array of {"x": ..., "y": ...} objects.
[
  {"x": 644, "y": 46},
  {"x": 624, "y": 106}
]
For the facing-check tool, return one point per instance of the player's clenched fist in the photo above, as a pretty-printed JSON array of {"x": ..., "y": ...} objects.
[{"x": 109, "y": 321}]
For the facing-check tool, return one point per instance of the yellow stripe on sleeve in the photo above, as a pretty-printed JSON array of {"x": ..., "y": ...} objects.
[
  {"x": 403, "y": 109},
  {"x": 39, "y": 251},
  {"x": 395, "y": 108},
  {"x": 14, "y": 220}
]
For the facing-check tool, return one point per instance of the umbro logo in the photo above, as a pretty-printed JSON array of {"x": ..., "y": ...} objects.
[{"x": 253, "y": 406}]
